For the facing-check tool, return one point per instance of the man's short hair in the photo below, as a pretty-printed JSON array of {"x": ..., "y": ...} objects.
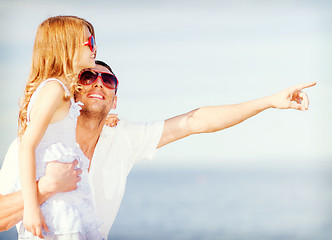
[{"x": 101, "y": 63}]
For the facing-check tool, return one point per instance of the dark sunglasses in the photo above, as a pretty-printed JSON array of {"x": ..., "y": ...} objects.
[
  {"x": 88, "y": 77},
  {"x": 91, "y": 43}
]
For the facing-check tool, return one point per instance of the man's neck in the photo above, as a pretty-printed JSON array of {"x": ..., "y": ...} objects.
[{"x": 87, "y": 134}]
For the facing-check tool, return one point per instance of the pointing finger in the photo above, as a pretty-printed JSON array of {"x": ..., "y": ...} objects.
[{"x": 304, "y": 85}]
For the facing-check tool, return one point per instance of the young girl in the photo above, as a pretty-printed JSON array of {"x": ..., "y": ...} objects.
[{"x": 64, "y": 45}]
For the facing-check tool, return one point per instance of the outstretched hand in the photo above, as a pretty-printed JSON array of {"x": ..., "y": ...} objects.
[{"x": 292, "y": 98}]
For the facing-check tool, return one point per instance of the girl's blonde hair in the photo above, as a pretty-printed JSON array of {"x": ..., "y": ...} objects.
[{"x": 55, "y": 54}]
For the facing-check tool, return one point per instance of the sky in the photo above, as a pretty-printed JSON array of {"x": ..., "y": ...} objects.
[{"x": 174, "y": 56}]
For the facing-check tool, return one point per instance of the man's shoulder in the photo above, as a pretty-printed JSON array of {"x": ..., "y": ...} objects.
[
  {"x": 123, "y": 128},
  {"x": 122, "y": 125},
  {"x": 127, "y": 127}
]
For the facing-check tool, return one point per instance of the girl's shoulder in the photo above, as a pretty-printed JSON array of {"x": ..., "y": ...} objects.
[
  {"x": 50, "y": 91},
  {"x": 50, "y": 94},
  {"x": 52, "y": 84},
  {"x": 58, "y": 98}
]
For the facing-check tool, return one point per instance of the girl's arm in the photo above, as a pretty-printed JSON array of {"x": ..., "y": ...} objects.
[
  {"x": 216, "y": 118},
  {"x": 59, "y": 177},
  {"x": 49, "y": 105},
  {"x": 12, "y": 208}
]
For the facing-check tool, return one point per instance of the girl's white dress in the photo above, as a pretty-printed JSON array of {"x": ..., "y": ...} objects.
[{"x": 69, "y": 215}]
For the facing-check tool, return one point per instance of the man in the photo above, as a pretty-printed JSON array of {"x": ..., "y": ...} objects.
[{"x": 114, "y": 151}]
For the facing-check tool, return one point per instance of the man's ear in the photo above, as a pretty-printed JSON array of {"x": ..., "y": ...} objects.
[{"x": 115, "y": 101}]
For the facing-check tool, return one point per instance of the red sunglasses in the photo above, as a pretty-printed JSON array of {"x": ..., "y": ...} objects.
[
  {"x": 91, "y": 43},
  {"x": 88, "y": 77}
]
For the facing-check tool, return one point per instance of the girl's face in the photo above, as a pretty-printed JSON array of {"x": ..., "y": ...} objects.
[{"x": 86, "y": 56}]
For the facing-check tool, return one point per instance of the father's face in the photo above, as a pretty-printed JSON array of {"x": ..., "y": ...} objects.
[{"x": 97, "y": 99}]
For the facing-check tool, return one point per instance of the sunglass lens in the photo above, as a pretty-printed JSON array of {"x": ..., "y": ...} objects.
[
  {"x": 109, "y": 80},
  {"x": 88, "y": 77},
  {"x": 92, "y": 43}
]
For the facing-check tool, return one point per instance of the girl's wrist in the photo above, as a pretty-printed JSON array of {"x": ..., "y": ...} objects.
[{"x": 44, "y": 189}]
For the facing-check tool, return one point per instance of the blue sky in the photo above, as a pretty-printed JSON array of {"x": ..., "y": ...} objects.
[{"x": 174, "y": 56}]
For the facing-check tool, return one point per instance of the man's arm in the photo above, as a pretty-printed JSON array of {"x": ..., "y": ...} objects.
[
  {"x": 216, "y": 118},
  {"x": 59, "y": 177}
]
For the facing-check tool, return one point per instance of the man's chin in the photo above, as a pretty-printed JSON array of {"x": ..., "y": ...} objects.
[{"x": 94, "y": 111}]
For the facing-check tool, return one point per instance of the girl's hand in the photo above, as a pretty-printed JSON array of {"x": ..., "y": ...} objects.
[
  {"x": 292, "y": 98},
  {"x": 33, "y": 221},
  {"x": 112, "y": 120}
]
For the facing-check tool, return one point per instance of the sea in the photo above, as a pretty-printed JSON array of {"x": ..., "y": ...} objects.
[{"x": 224, "y": 203}]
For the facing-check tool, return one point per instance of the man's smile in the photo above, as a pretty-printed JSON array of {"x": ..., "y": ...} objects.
[{"x": 96, "y": 95}]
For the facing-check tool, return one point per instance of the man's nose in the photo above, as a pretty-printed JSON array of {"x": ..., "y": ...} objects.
[{"x": 98, "y": 82}]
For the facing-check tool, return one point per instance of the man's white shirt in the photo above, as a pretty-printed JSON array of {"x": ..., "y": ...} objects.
[{"x": 117, "y": 151}]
